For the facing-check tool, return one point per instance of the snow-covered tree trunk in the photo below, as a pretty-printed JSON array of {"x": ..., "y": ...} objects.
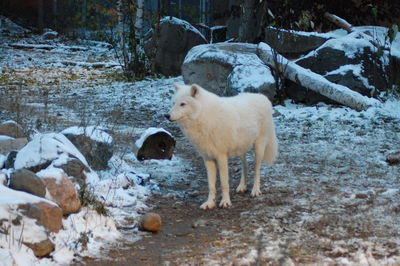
[
  {"x": 313, "y": 81},
  {"x": 121, "y": 31},
  {"x": 139, "y": 21}
]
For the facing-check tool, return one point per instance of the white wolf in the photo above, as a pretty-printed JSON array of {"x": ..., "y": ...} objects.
[{"x": 221, "y": 127}]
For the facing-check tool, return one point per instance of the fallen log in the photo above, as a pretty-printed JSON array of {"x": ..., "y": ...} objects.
[
  {"x": 313, "y": 81},
  {"x": 339, "y": 22}
]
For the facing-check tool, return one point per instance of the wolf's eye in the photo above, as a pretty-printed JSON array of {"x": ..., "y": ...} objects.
[{"x": 182, "y": 104}]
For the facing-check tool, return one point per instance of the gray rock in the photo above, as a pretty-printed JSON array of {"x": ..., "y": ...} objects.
[
  {"x": 227, "y": 69},
  {"x": 12, "y": 144},
  {"x": 353, "y": 65},
  {"x": 293, "y": 43},
  {"x": 75, "y": 170},
  {"x": 174, "y": 39},
  {"x": 27, "y": 181},
  {"x": 96, "y": 153},
  {"x": 12, "y": 129},
  {"x": 50, "y": 35}
]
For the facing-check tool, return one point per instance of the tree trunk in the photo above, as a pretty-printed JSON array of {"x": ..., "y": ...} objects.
[
  {"x": 313, "y": 81},
  {"x": 246, "y": 28},
  {"x": 40, "y": 15},
  {"x": 139, "y": 21}
]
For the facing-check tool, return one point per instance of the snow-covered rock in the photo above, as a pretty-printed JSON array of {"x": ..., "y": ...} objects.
[
  {"x": 30, "y": 218},
  {"x": 228, "y": 69},
  {"x": 44, "y": 148},
  {"x": 94, "y": 143},
  {"x": 174, "y": 38},
  {"x": 351, "y": 60},
  {"x": 293, "y": 43},
  {"x": 155, "y": 143}
]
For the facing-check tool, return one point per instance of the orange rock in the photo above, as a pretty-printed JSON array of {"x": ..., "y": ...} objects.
[{"x": 151, "y": 222}]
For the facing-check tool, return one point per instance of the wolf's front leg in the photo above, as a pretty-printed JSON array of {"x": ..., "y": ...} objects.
[
  {"x": 212, "y": 177},
  {"x": 224, "y": 175}
]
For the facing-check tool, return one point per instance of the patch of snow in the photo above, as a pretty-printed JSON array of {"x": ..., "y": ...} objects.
[
  {"x": 94, "y": 132},
  {"x": 150, "y": 131},
  {"x": 4, "y": 137},
  {"x": 51, "y": 172}
]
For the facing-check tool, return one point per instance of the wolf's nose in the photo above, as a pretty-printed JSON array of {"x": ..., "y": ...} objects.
[{"x": 167, "y": 116}]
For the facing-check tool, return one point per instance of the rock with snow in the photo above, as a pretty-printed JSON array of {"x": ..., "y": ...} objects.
[
  {"x": 12, "y": 129},
  {"x": 49, "y": 34},
  {"x": 351, "y": 60},
  {"x": 168, "y": 44},
  {"x": 76, "y": 170},
  {"x": 27, "y": 181},
  {"x": 94, "y": 143},
  {"x": 10, "y": 28},
  {"x": 61, "y": 190},
  {"x": 151, "y": 222},
  {"x": 47, "y": 214},
  {"x": 155, "y": 143},
  {"x": 293, "y": 43},
  {"x": 30, "y": 218},
  {"x": 46, "y": 149},
  {"x": 228, "y": 69},
  {"x": 8, "y": 144}
]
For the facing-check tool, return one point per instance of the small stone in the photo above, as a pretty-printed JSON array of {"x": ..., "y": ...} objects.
[
  {"x": 393, "y": 158},
  {"x": 41, "y": 249},
  {"x": 151, "y": 222}
]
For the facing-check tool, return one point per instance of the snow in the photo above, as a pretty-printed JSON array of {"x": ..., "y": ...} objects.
[
  {"x": 150, "y": 131},
  {"x": 95, "y": 133},
  {"x": 126, "y": 186},
  {"x": 3, "y": 137}
]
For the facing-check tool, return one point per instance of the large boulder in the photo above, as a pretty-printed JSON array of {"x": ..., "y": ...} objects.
[
  {"x": 27, "y": 181},
  {"x": 46, "y": 149},
  {"x": 293, "y": 43},
  {"x": 168, "y": 44},
  {"x": 94, "y": 143},
  {"x": 351, "y": 60},
  {"x": 61, "y": 190},
  {"x": 228, "y": 69}
]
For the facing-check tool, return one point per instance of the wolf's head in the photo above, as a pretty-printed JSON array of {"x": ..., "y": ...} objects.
[{"x": 186, "y": 105}]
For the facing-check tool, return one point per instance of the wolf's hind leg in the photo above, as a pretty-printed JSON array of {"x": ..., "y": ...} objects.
[{"x": 259, "y": 150}]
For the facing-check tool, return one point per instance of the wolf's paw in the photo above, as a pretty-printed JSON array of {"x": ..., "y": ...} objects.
[
  {"x": 208, "y": 205},
  {"x": 225, "y": 203},
  {"x": 255, "y": 192},
  {"x": 241, "y": 189}
]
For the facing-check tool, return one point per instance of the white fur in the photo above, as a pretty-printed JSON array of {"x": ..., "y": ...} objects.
[{"x": 221, "y": 127}]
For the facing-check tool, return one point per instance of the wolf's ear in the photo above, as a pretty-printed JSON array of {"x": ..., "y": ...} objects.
[
  {"x": 194, "y": 90},
  {"x": 177, "y": 86}
]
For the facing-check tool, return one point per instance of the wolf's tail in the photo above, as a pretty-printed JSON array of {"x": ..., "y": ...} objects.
[{"x": 271, "y": 149}]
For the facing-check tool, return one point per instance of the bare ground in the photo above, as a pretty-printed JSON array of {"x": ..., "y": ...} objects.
[{"x": 330, "y": 199}]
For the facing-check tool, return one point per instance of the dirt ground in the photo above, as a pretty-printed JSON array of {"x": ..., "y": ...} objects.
[{"x": 329, "y": 200}]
